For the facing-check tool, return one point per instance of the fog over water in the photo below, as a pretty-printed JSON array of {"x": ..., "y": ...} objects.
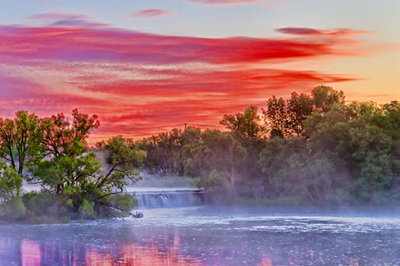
[{"x": 205, "y": 235}]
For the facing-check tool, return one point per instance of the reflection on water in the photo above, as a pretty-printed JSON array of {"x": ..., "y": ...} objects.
[
  {"x": 134, "y": 254},
  {"x": 32, "y": 253},
  {"x": 207, "y": 236}
]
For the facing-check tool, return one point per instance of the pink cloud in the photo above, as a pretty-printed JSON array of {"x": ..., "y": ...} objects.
[
  {"x": 151, "y": 13},
  {"x": 140, "y": 84}
]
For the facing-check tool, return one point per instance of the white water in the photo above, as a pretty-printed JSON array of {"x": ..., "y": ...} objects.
[{"x": 168, "y": 198}]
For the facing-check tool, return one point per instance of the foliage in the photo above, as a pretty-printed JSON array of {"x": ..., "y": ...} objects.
[
  {"x": 246, "y": 124},
  {"x": 76, "y": 184},
  {"x": 163, "y": 153},
  {"x": 40, "y": 203},
  {"x": 216, "y": 181},
  {"x": 285, "y": 117},
  {"x": 13, "y": 209},
  {"x": 319, "y": 148},
  {"x": 11, "y": 205},
  {"x": 20, "y": 139},
  {"x": 75, "y": 175},
  {"x": 10, "y": 183}
]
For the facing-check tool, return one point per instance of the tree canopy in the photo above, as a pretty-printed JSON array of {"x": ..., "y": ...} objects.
[{"x": 77, "y": 181}]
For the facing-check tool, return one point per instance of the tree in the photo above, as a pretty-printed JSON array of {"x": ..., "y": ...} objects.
[
  {"x": 11, "y": 205},
  {"x": 73, "y": 173},
  {"x": 249, "y": 131},
  {"x": 299, "y": 107},
  {"x": 164, "y": 152},
  {"x": 356, "y": 139},
  {"x": 122, "y": 156},
  {"x": 246, "y": 125},
  {"x": 276, "y": 117},
  {"x": 293, "y": 169},
  {"x": 20, "y": 139},
  {"x": 216, "y": 151},
  {"x": 10, "y": 183},
  {"x": 63, "y": 138},
  {"x": 324, "y": 97}
]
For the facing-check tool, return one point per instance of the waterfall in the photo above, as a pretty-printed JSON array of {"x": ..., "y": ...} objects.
[{"x": 169, "y": 199}]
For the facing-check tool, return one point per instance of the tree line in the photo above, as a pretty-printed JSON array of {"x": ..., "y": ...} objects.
[{"x": 310, "y": 148}]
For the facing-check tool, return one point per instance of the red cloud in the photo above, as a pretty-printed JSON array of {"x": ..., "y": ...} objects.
[
  {"x": 225, "y": 2},
  {"x": 140, "y": 83},
  {"x": 115, "y": 45},
  {"x": 152, "y": 13}
]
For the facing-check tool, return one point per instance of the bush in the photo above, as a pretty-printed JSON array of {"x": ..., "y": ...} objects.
[
  {"x": 38, "y": 203},
  {"x": 13, "y": 209},
  {"x": 215, "y": 181},
  {"x": 10, "y": 182},
  {"x": 11, "y": 204},
  {"x": 87, "y": 211}
]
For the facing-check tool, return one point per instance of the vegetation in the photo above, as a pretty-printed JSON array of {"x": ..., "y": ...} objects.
[
  {"x": 313, "y": 148},
  {"x": 75, "y": 184},
  {"x": 310, "y": 148}
]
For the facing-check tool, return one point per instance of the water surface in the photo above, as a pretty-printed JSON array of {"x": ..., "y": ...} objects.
[{"x": 212, "y": 236}]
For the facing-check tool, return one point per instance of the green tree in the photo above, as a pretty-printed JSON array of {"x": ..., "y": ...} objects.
[
  {"x": 11, "y": 205},
  {"x": 73, "y": 173},
  {"x": 10, "y": 183},
  {"x": 357, "y": 140},
  {"x": 299, "y": 107},
  {"x": 246, "y": 125},
  {"x": 164, "y": 153},
  {"x": 249, "y": 131},
  {"x": 122, "y": 157},
  {"x": 324, "y": 97},
  {"x": 64, "y": 138},
  {"x": 216, "y": 151},
  {"x": 293, "y": 169},
  {"x": 276, "y": 117},
  {"x": 20, "y": 139}
]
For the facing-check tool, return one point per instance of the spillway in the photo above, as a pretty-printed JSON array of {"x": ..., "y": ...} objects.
[{"x": 169, "y": 198}]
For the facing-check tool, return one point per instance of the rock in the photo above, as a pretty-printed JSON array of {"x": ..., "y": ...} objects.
[{"x": 137, "y": 214}]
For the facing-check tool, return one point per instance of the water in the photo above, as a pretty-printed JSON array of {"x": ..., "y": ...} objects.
[{"x": 205, "y": 235}]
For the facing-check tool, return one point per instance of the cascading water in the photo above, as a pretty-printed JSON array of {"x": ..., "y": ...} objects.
[{"x": 169, "y": 199}]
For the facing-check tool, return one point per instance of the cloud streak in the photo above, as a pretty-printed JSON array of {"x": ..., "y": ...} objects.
[
  {"x": 86, "y": 43},
  {"x": 150, "y": 13},
  {"x": 65, "y": 19},
  {"x": 317, "y": 32},
  {"x": 141, "y": 83},
  {"x": 224, "y": 2}
]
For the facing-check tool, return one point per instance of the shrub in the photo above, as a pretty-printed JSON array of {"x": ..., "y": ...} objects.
[
  {"x": 10, "y": 182},
  {"x": 215, "y": 181},
  {"x": 13, "y": 209}
]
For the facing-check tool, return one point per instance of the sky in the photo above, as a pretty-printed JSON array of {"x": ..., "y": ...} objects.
[{"x": 149, "y": 66}]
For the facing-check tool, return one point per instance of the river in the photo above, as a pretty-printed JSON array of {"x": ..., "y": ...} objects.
[{"x": 207, "y": 235}]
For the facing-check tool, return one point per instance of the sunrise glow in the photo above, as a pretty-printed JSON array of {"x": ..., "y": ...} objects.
[{"x": 149, "y": 67}]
